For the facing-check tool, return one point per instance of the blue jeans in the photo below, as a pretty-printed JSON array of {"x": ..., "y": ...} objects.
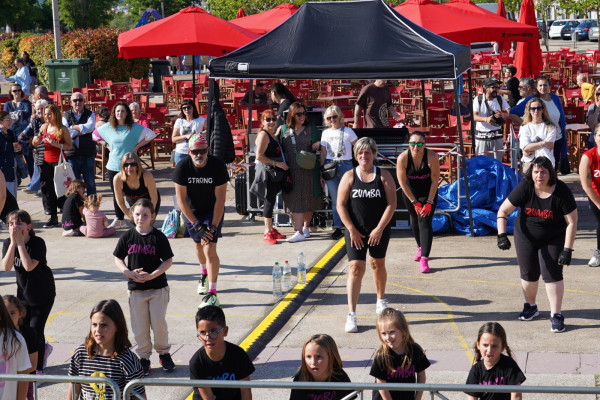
[
  {"x": 332, "y": 188},
  {"x": 35, "y": 180},
  {"x": 178, "y": 157},
  {"x": 83, "y": 166}
]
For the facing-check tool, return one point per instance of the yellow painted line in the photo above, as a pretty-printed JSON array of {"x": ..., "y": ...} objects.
[
  {"x": 285, "y": 302},
  {"x": 450, "y": 314}
]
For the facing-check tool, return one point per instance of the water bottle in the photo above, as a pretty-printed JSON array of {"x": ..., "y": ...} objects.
[
  {"x": 301, "y": 269},
  {"x": 277, "y": 280},
  {"x": 287, "y": 276}
]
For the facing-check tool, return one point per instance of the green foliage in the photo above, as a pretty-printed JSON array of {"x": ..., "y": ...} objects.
[
  {"x": 137, "y": 7},
  {"x": 123, "y": 20},
  {"x": 227, "y": 9},
  {"x": 21, "y": 15},
  {"x": 75, "y": 14}
]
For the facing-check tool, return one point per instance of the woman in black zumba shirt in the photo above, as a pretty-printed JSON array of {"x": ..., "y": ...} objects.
[
  {"x": 418, "y": 172},
  {"x": 366, "y": 204},
  {"x": 544, "y": 235},
  {"x": 133, "y": 182}
]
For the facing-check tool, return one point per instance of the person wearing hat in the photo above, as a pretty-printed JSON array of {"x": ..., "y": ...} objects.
[
  {"x": 490, "y": 110},
  {"x": 201, "y": 185}
]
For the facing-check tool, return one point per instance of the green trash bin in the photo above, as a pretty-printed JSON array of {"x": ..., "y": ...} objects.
[{"x": 66, "y": 74}]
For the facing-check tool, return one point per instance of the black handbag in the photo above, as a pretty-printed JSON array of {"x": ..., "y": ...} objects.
[
  {"x": 275, "y": 175},
  {"x": 329, "y": 170}
]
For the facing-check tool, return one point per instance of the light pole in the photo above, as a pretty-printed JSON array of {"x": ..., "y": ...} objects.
[{"x": 56, "y": 25}]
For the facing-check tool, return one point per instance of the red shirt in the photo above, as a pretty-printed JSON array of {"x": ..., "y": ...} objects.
[
  {"x": 51, "y": 153},
  {"x": 592, "y": 154}
]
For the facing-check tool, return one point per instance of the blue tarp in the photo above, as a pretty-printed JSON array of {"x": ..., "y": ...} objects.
[{"x": 490, "y": 182}]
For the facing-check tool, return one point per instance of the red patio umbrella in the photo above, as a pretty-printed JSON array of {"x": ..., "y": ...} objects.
[
  {"x": 501, "y": 12},
  {"x": 528, "y": 57},
  {"x": 241, "y": 13},
  {"x": 265, "y": 21}
]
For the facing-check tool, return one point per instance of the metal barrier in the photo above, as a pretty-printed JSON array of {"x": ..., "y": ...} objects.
[
  {"x": 65, "y": 379},
  {"x": 434, "y": 389}
]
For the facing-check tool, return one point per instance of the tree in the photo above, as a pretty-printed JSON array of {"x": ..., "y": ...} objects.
[
  {"x": 76, "y": 14},
  {"x": 137, "y": 7},
  {"x": 21, "y": 15}
]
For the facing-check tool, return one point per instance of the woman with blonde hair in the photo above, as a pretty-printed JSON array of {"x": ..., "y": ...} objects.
[
  {"x": 537, "y": 134},
  {"x": 133, "y": 182}
]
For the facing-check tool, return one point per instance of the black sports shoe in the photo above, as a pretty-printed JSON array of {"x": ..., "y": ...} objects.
[
  {"x": 167, "y": 362},
  {"x": 558, "y": 323},
  {"x": 529, "y": 312},
  {"x": 52, "y": 223},
  {"x": 337, "y": 234},
  {"x": 145, "y": 366}
]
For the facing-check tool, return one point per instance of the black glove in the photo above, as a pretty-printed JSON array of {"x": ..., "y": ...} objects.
[
  {"x": 564, "y": 258},
  {"x": 203, "y": 231},
  {"x": 503, "y": 242}
]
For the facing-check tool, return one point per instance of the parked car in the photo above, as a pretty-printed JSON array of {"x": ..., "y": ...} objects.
[
  {"x": 540, "y": 23},
  {"x": 583, "y": 29},
  {"x": 593, "y": 34},
  {"x": 554, "y": 32},
  {"x": 565, "y": 32}
]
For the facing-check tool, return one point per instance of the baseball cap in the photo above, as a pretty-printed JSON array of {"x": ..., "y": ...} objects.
[
  {"x": 197, "y": 139},
  {"x": 491, "y": 81}
]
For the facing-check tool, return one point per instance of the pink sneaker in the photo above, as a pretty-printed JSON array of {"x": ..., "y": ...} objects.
[
  {"x": 424, "y": 265},
  {"x": 418, "y": 255}
]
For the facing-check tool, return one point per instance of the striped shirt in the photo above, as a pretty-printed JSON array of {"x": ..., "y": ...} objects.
[{"x": 122, "y": 369}]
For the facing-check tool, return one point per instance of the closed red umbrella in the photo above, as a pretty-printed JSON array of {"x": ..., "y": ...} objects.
[
  {"x": 241, "y": 13},
  {"x": 265, "y": 21},
  {"x": 528, "y": 57},
  {"x": 501, "y": 12}
]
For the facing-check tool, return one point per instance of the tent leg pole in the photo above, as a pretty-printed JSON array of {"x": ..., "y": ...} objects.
[
  {"x": 211, "y": 93},
  {"x": 250, "y": 103},
  {"x": 462, "y": 161},
  {"x": 471, "y": 96},
  {"x": 194, "y": 78},
  {"x": 424, "y": 100}
]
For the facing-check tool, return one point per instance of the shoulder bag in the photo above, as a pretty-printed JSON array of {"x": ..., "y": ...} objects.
[
  {"x": 63, "y": 175},
  {"x": 304, "y": 159}
]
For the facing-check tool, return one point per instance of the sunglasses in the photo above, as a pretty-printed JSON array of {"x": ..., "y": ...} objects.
[
  {"x": 270, "y": 119},
  {"x": 186, "y": 108},
  {"x": 331, "y": 117},
  {"x": 77, "y": 100},
  {"x": 418, "y": 144},
  {"x": 301, "y": 114},
  {"x": 129, "y": 164},
  {"x": 199, "y": 151},
  {"x": 213, "y": 334},
  {"x": 540, "y": 108},
  {"x": 16, "y": 90}
]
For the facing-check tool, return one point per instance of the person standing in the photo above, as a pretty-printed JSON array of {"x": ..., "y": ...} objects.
[
  {"x": 589, "y": 173},
  {"x": 376, "y": 100},
  {"x": 259, "y": 95},
  {"x": 537, "y": 134},
  {"x": 22, "y": 77},
  {"x": 188, "y": 123},
  {"x": 490, "y": 112},
  {"x": 200, "y": 186},
  {"x": 8, "y": 144},
  {"x": 512, "y": 85},
  {"x": 20, "y": 112},
  {"x": 81, "y": 122},
  {"x": 282, "y": 96}
]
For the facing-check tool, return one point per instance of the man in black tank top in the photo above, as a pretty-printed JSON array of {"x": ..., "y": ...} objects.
[{"x": 366, "y": 204}]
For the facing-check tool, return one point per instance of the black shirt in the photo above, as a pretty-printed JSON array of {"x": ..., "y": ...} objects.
[
  {"x": 338, "y": 376},
  {"x": 419, "y": 178},
  {"x": 281, "y": 112},
  {"x": 35, "y": 287},
  {"x": 201, "y": 183},
  {"x": 367, "y": 203},
  {"x": 505, "y": 372},
  {"x": 542, "y": 219},
  {"x": 513, "y": 86},
  {"x": 146, "y": 252},
  {"x": 406, "y": 374},
  {"x": 71, "y": 217},
  {"x": 234, "y": 366},
  {"x": 142, "y": 192}
]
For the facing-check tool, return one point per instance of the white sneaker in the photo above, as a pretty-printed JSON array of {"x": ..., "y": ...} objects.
[
  {"x": 114, "y": 224},
  {"x": 306, "y": 232},
  {"x": 122, "y": 224},
  {"x": 351, "y": 326},
  {"x": 297, "y": 237},
  {"x": 382, "y": 304},
  {"x": 595, "y": 260},
  {"x": 68, "y": 232}
]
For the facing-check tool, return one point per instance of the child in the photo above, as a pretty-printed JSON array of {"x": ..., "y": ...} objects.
[
  {"x": 218, "y": 359},
  {"x": 149, "y": 256},
  {"x": 321, "y": 362},
  {"x": 17, "y": 311},
  {"x": 106, "y": 350},
  {"x": 491, "y": 366},
  {"x": 96, "y": 223},
  {"x": 13, "y": 357},
  {"x": 72, "y": 210},
  {"x": 26, "y": 252},
  {"x": 399, "y": 359}
]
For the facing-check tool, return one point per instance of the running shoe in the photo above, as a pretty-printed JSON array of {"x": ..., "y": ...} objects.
[
  {"x": 418, "y": 255},
  {"x": 68, "y": 232},
  {"x": 210, "y": 299},
  {"x": 298, "y": 237},
  {"x": 275, "y": 233},
  {"x": 381, "y": 305},
  {"x": 351, "y": 326},
  {"x": 268, "y": 238},
  {"x": 337, "y": 234},
  {"x": 595, "y": 260},
  {"x": 145, "y": 366},
  {"x": 52, "y": 223},
  {"x": 306, "y": 232},
  {"x": 203, "y": 284},
  {"x": 167, "y": 362},
  {"x": 424, "y": 265},
  {"x": 529, "y": 312},
  {"x": 558, "y": 323}
]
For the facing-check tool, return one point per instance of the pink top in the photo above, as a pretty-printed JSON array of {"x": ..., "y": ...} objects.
[{"x": 94, "y": 223}]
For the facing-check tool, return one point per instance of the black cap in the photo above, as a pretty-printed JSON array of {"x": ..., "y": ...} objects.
[{"x": 490, "y": 81}]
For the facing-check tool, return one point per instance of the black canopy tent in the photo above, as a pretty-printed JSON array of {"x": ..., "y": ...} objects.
[{"x": 347, "y": 40}]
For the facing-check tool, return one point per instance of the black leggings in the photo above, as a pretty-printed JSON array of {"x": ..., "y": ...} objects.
[
  {"x": 47, "y": 188},
  {"x": 422, "y": 227},
  {"x": 270, "y": 197},
  {"x": 118, "y": 212},
  {"x": 36, "y": 318},
  {"x": 596, "y": 213},
  {"x": 539, "y": 258}
]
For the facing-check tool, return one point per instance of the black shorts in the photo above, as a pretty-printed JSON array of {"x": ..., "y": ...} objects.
[
  {"x": 378, "y": 251},
  {"x": 205, "y": 219}
]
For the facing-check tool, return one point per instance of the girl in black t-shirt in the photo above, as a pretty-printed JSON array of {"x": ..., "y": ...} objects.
[
  {"x": 321, "y": 362},
  {"x": 399, "y": 359},
  {"x": 72, "y": 216}
]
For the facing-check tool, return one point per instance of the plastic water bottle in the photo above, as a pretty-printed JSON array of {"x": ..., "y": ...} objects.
[
  {"x": 287, "y": 276},
  {"x": 277, "y": 280},
  {"x": 301, "y": 269}
]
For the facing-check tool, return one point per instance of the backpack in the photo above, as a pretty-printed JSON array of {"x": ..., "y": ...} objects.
[
  {"x": 487, "y": 107},
  {"x": 171, "y": 224}
]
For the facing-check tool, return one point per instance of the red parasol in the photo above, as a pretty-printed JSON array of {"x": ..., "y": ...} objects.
[
  {"x": 501, "y": 12},
  {"x": 265, "y": 21},
  {"x": 190, "y": 31},
  {"x": 528, "y": 57}
]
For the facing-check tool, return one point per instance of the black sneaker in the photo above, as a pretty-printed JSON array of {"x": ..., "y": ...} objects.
[
  {"x": 167, "y": 362},
  {"x": 529, "y": 312},
  {"x": 558, "y": 323},
  {"x": 145, "y": 366},
  {"x": 52, "y": 223},
  {"x": 337, "y": 234}
]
